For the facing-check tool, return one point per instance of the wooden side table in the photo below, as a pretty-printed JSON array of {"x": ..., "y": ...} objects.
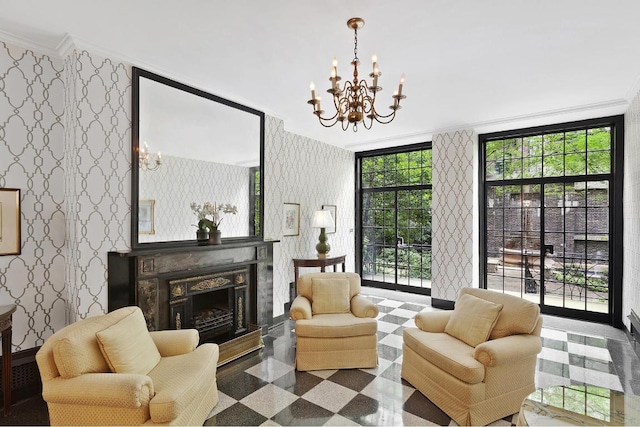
[
  {"x": 317, "y": 262},
  {"x": 6, "y": 313}
]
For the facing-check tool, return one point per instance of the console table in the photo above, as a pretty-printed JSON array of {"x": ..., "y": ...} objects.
[
  {"x": 317, "y": 262},
  {"x": 6, "y": 313}
]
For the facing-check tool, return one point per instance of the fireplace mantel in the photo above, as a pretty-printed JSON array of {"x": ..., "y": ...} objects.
[{"x": 147, "y": 278}]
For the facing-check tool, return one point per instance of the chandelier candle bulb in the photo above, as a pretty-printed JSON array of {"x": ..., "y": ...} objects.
[
  {"x": 374, "y": 59},
  {"x": 313, "y": 90},
  {"x": 400, "y": 86}
]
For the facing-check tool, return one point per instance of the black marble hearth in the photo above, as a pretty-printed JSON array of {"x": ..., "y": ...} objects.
[{"x": 225, "y": 291}]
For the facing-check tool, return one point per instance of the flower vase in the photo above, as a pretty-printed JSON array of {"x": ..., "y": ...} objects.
[
  {"x": 202, "y": 236},
  {"x": 215, "y": 237}
]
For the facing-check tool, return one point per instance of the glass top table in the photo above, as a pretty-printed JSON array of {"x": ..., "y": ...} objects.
[{"x": 579, "y": 406}]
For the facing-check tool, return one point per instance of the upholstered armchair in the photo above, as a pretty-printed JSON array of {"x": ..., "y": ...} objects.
[
  {"x": 109, "y": 370},
  {"x": 477, "y": 362},
  {"x": 335, "y": 326}
]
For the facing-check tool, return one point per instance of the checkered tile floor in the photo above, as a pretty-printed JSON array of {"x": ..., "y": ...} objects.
[{"x": 265, "y": 389}]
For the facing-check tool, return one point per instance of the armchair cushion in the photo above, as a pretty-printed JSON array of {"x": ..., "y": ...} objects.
[
  {"x": 446, "y": 353},
  {"x": 472, "y": 319},
  {"x": 518, "y": 316},
  {"x": 128, "y": 347},
  {"x": 341, "y": 325},
  {"x": 77, "y": 352},
  {"x": 330, "y": 296}
]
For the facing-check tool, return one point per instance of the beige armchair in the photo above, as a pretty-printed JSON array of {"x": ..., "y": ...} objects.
[
  {"x": 335, "y": 326},
  {"x": 109, "y": 370},
  {"x": 477, "y": 362}
]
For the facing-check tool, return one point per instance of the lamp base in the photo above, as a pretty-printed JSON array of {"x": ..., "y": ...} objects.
[{"x": 323, "y": 255}]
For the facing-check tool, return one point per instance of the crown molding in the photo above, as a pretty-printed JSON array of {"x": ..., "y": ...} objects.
[
  {"x": 27, "y": 44},
  {"x": 634, "y": 91},
  {"x": 617, "y": 106}
]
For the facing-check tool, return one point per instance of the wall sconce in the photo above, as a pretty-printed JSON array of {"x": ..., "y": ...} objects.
[
  {"x": 144, "y": 159},
  {"x": 322, "y": 220}
]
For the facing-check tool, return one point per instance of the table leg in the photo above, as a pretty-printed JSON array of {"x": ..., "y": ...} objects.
[{"x": 6, "y": 370}]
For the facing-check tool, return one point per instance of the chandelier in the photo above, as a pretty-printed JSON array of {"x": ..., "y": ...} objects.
[
  {"x": 144, "y": 159},
  {"x": 355, "y": 102}
]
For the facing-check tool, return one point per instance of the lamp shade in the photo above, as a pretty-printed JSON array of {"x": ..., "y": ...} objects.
[{"x": 322, "y": 219}]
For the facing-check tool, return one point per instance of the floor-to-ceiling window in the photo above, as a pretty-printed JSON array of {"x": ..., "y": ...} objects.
[
  {"x": 552, "y": 216},
  {"x": 394, "y": 217}
]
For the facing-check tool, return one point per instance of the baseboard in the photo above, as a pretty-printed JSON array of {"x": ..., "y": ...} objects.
[
  {"x": 443, "y": 304},
  {"x": 25, "y": 376}
]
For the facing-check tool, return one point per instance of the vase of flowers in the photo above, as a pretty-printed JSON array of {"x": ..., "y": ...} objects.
[
  {"x": 214, "y": 210},
  {"x": 201, "y": 212}
]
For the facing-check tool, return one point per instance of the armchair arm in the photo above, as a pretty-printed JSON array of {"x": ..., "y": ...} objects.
[
  {"x": 432, "y": 321},
  {"x": 300, "y": 308},
  {"x": 507, "y": 349},
  {"x": 362, "y": 307},
  {"x": 101, "y": 389},
  {"x": 175, "y": 342}
]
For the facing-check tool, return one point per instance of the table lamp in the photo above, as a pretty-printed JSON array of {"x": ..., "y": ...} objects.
[{"x": 322, "y": 219}]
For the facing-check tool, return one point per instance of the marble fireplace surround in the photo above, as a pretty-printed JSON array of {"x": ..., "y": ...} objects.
[{"x": 170, "y": 284}]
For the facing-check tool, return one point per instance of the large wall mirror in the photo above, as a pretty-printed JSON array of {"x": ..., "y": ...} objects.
[{"x": 189, "y": 146}]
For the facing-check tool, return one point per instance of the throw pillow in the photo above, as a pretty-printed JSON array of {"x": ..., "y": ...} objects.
[
  {"x": 472, "y": 319},
  {"x": 128, "y": 347},
  {"x": 330, "y": 296}
]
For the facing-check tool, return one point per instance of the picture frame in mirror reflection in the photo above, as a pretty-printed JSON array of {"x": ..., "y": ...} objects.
[
  {"x": 10, "y": 224},
  {"x": 333, "y": 209},
  {"x": 291, "y": 219},
  {"x": 146, "y": 213}
]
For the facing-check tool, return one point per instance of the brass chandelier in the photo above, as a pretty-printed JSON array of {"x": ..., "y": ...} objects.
[{"x": 355, "y": 102}]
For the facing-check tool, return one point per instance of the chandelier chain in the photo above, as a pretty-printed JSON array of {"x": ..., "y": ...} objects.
[{"x": 355, "y": 45}]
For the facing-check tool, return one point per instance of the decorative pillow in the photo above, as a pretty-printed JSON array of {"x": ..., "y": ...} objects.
[
  {"x": 330, "y": 296},
  {"x": 128, "y": 347},
  {"x": 473, "y": 319}
]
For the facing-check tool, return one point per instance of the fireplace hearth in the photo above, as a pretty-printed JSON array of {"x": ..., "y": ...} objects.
[{"x": 224, "y": 291}]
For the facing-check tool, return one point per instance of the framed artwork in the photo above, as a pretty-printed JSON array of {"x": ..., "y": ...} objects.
[
  {"x": 291, "y": 218},
  {"x": 146, "y": 223},
  {"x": 10, "y": 224},
  {"x": 332, "y": 209}
]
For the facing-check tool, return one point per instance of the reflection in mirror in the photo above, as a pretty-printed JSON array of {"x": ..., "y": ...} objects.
[{"x": 194, "y": 147}]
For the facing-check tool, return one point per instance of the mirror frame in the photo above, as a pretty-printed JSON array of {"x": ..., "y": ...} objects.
[{"x": 138, "y": 73}]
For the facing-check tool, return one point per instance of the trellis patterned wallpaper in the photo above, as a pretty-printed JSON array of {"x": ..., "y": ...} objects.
[
  {"x": 31, "y": 158},
  {"x": 311, "y": 173},
  {"x": 631, "y": 195},
  {"x": 65, "y": 142},
  {"x": 97, "y": 156},
  {"x": 452, "y": 237},
  {"x": 179, "y": 181}
]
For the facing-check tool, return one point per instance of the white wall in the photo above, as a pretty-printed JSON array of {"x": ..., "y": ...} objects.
[{"x": 631, "y": 195}]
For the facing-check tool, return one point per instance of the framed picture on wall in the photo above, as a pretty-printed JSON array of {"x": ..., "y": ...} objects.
[
  {"x": 291, "y": 219},
  {"x": 333, "y": 210},
  {"x": 10, "y": 224},
  {"x": 146, "y": 223}
]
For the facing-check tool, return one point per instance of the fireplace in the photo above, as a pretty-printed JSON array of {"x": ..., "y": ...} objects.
[{"x": 224, "y": 291}]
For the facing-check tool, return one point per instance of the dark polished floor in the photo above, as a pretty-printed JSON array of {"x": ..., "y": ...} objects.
[{"x": 264, "y": 388}]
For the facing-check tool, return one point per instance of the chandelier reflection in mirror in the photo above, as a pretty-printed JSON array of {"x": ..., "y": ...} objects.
[
  {"x": 144, "y": 159},
  {"x": 355, "y": 102}
]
